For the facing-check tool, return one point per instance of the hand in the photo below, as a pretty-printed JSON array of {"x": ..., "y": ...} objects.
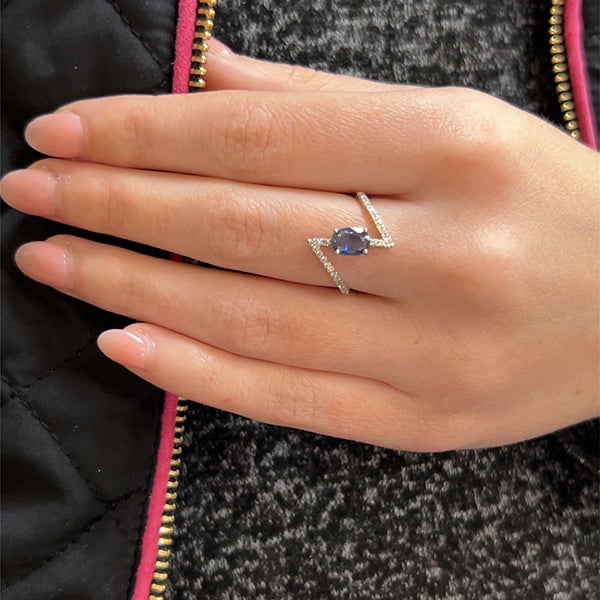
[{"x": 480, "y": 326}]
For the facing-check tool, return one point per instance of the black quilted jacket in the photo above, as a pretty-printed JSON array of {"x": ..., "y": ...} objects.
[{"x": 261, "y": 512}]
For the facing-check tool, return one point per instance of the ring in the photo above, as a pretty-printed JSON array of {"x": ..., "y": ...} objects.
[{"x": 351, "y": 241}]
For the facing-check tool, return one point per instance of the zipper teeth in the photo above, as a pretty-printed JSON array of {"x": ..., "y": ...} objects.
[
  {"x": 560, "y": 69},
  {"x": 163, "y": 554},
  {"x": 205, "y": 13}
]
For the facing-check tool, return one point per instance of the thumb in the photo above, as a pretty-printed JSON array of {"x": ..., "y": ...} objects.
[{"x": 230, "y": 71}]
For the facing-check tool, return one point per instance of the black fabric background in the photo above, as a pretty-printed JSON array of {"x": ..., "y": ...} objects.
[
  {"x": 79, "y": 434},
  {"x": 267, "y": 513}
]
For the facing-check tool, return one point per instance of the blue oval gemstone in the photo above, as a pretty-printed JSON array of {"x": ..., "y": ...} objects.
[{"x": 351, "y": 241}]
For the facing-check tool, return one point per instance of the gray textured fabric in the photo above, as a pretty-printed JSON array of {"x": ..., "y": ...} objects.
[
  {"x": 269, "y": 513},
  {"x": 276, "y": 514}
]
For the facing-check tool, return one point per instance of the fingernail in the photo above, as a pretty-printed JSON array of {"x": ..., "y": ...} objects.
[
  {"x": 30, "y": 191},
  {"x": 59, "y": 134},
  {"x": 125, "y": 347},
  {"x": 219, "y": 48},
  {"x": 45, "y": 262}
]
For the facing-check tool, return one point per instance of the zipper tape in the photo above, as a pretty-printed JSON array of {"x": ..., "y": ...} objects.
[
  {"x": 158, "y": 499},
  {"x": 573, "y": 33},
  {"x": 194, "y": 25}
]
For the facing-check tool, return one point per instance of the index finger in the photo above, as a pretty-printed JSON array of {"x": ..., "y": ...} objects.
[{"x": 381, "y": 142}]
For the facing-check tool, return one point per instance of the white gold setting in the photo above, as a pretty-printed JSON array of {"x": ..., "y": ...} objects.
[{"x": 384, "y": 242}]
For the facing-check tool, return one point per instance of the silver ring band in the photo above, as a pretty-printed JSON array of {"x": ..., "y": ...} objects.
[{"x": 351, "y": 241}]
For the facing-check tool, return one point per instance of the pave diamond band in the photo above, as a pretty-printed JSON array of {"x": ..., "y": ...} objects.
[{"x": 351, "y": 241}]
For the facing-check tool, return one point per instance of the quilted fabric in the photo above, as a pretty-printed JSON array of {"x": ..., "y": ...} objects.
[{"x": 79, "y": 433}]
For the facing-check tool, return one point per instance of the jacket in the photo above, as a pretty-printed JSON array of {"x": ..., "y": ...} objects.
[{"x": 112, "y": 490}]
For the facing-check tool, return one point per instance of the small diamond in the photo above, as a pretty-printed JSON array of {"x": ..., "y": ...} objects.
[{"x": 351, "y": 241}]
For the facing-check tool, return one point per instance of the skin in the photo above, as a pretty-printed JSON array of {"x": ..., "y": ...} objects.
[{"x": 480, "y": 326}]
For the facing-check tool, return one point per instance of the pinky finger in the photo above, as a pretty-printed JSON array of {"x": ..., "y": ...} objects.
[{"x": 328, "y": 403}]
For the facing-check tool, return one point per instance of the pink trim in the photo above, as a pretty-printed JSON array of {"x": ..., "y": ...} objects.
[
  {"x": 183, "y": 45},
  {"x": 578, "y": 72},
  {"x": 157, "y": 500},
  {"x": 183, "y": 54}
]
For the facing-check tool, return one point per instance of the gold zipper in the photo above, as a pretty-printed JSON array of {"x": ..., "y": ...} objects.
[
  {"x": 205, "y": 13},
  {"x": 560, "y": 69},
  {"x": 163, "y": 554}
]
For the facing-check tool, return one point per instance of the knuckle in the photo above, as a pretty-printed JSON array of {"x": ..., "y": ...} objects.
[
  {"x": 238, "y": 219},
  {"x": 246, "y": 135},
  {"x": 133, "y": 141},
  {"x": 92, "y": 200},
  {"x": 497, "y": 276},
  {"x": 252, "y": 324},
  {"x": 162, "y": 223},
  {"x": 471, "y": 132},
  {"x": 207, "y": 377},
  {"x": 489, "y": 272},
  {"x": 130, "y": 291},
  {"x": 114, "y": 213},
  {"x": 255, "y": 325},
  {"x": 296, "y": 76},
  {"x": 294, "y": 405},
  {"x": 60, "y": 198},
  {"x": 71, "y": 244}
]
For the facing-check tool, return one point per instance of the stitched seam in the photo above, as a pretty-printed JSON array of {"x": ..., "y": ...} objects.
[
  {"x": 13, "y": 392},
  {"x": 161, "y": 88},
  {"x": 64, "y": 363},
  {"x": 76, "y": 539},
  {"x": 113, "y": 505},
  {"x": 92, "y": 486},
  {"x": 109, "y": 504},
  {"x": 126, "y": 21}
]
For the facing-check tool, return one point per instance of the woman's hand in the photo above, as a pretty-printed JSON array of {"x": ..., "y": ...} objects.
[{"x": 479, "y": 327}]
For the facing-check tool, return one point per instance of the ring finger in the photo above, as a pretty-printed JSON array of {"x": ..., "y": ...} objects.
[{"x": 234, "y": 225}]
